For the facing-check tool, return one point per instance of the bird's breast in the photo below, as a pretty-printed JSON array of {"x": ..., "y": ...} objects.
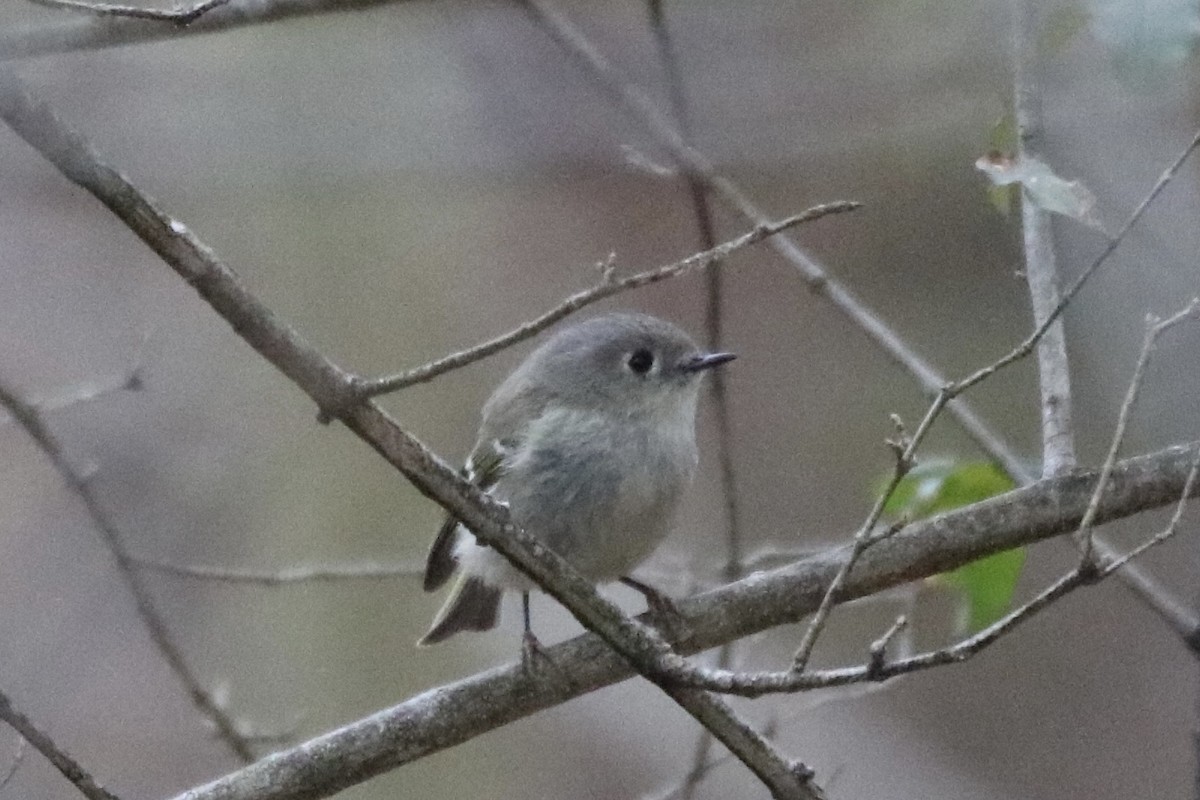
[{"x": 600, "y": 491}]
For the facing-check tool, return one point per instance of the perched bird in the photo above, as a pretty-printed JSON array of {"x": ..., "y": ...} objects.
[{"x": 590, "y": 442}]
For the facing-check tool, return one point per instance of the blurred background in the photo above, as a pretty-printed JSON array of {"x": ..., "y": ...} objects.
[{"x": 404, "y": 181}]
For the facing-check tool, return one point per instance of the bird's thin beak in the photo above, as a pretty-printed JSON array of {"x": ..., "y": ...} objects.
[{"x": 703, "y": 361}]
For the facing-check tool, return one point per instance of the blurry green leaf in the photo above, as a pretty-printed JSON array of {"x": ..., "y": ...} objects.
[
  {"x": 988, "y": 584},
  {"x": 1061, "y": 26},
  {"x": 933, "y": 487},
  {"x": 939, "y": 485}
]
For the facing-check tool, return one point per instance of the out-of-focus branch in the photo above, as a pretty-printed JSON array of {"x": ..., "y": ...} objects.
[
  {"x": 160, "y": 634},
  {"x": 714, "y": 339},
  {"x": 1041, "y": 272},
  {"x": 179, "y": 16},
  {"x": 14, "y": 763},
  {"x": 69, "y": 767},
  {"x": 454, "y": 713},
  {"x": 608, "y": 286},
  {"x": 332, "y": 388},
  {"x": 93, "y": 33},
  {"x": 282, "y": 577}
]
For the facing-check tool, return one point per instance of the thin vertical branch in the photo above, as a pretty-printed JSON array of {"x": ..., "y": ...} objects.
[
  {"x": 713, "y": 319},
  {"x": 30, "y": 419},
  {"x": 1041, "y": 271}
]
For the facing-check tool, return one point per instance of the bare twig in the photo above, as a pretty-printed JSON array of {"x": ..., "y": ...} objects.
[
  {"x": 179, "y": 16},
  {"x": 329, "y": 386},
  {"x": 15, "y": 762},
  {"x": 282, "y": 577},
  {"x": 90, "y": 33},
  {"x": 69, "y": 767},
  {"x": 30, "y": 419},
  {"x": 1167, "y": 532},
  {"x": 454, "y": 713},
  {"x": 1154, "y": 329},
  {"x": 607, "y": 287},
  {"x": 904, "y": 448},
  {"x": 877, "y": 652},
  {"x": 1041, "y": 272}
]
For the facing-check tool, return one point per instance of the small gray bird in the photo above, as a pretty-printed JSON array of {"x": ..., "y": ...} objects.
[{"x": 590, "y": 442}]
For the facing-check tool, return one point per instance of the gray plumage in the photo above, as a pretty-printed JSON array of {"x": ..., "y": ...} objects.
[{"x": 591, "y": 442}]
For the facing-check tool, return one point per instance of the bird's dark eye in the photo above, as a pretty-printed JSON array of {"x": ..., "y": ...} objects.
[{"x": 640, "y": 361}]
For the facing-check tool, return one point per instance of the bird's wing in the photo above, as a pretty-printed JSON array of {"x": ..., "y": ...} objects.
[{"x": 483, "y": 468}]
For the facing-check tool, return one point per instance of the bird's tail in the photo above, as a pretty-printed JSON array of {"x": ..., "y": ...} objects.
[{"x": 471, "y": 606}]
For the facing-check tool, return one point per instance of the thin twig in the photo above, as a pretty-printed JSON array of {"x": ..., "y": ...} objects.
[
  {"x": 282, "y": 577},
  {"x": 877, "y": 652},
  {"x": 15, "y": 762},
  {"x": 30, "y": 419},
  {"x": 1041, "y": 272},
  {"x": 904, "y": 449},
  {"x": 608, "y": 286},
  {"x": 179, "y": 16},
  {"x": 1154, "y": 329},
  {"x": 69, "y": 767}
]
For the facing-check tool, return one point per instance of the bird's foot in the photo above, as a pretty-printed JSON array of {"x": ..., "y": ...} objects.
[{"x": 534, "y": 657}]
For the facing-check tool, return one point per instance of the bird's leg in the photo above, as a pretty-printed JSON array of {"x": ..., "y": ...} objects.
[
  {"x": 531, "y": 648},
  {"x": 662, "y": 608}
]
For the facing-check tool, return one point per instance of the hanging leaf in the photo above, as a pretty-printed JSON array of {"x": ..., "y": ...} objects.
[
  {"x": 933, "y": 487},
  {"x": 1044, "y": 188}
]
